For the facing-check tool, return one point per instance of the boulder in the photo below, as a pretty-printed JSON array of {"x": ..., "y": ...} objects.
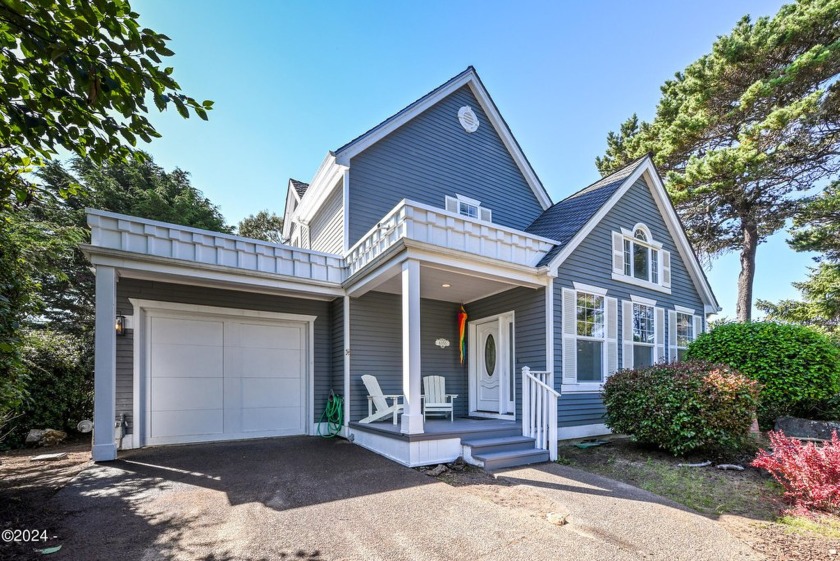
[
  {"x": 45, "y": 437},
  {"x": 806, "y": 428}
]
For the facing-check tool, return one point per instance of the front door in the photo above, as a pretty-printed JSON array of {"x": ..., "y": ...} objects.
[
  {"x": 489, "y": 377},
  {"x": 491, "y": 359}
]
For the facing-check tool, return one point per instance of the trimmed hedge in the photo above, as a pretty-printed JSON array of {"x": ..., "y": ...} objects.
[
  {"x": 798, "y": 368},
  {"x": 682, "y": 407}
]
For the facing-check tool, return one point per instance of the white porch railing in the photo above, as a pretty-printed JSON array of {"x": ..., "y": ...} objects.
[
  {"x": 159, "y": 239},
  {"x": 539, "y": 410},
  {"x": 436, "y": 226}
]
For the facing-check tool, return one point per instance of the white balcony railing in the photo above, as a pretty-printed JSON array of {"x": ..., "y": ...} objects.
[
  {"x": 160, "y": 239},
  {"x": 539, "y": 410},
  {"x": 435, "y": 226}
]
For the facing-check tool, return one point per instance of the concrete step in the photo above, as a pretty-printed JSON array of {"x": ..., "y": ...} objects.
[
  {"x": 497, "y": 460},
  {"x": 499, "y": 444}
]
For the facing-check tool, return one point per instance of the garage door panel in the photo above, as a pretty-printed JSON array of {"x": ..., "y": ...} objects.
[
  {"x": 208, "y": 333},
  {"x": 185, "y": 424},
  {"x": 226, "y": 379},
  {"x": 271, "y": 392},
  {"x": 186, "y": 361},
  {"x": 175, "y": 394},
  {"x": 287, "y": 420},
  {"x": 265, "y": 336},
  {"x": 271, "y": 363}
]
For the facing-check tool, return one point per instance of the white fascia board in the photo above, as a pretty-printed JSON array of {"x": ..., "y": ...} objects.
[
  {"x": 326, "y": 178},
  {"x": 666, "y": 209},
  {"x": 470, "y": 78}
]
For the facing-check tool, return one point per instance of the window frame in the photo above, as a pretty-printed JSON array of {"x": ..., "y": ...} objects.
[
  {"x": 651, "y": 345},
  {"x": 655, "y": 277},
  {"x": 602, "y": 339}
]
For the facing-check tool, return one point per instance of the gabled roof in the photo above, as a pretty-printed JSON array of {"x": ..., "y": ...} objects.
[
  {"x": 299, "y": 186},
  {"x": 468, "y": 77},
  {"x": 571, "y": 220},
  {"x": 565, "y": 219}
]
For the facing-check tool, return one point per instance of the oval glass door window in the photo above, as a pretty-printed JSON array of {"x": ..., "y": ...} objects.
[{"x": 490, "y": 355}]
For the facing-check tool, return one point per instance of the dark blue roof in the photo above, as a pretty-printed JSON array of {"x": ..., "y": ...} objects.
[{"x": 565, "y": 219}]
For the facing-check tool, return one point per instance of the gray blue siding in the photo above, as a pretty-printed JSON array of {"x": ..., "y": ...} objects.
[
  {"x": 528, "y": 306},
  {"x": 326, "y": 229},
  {"x": 165, "y": 292},
  {"x": 376, "y": 348},
  {"x": 591, "y": 263},
  {"x": 432, "y": 156}
]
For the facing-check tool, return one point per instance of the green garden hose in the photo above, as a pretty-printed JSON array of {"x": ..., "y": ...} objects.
[{"x": 334, "y": 416}]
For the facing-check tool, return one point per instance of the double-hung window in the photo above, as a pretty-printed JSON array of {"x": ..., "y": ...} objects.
[
  {"x": 591, "y": 333},
  {"x": 643, "y": 333},
  {"x": 590, "y": 337},
  {"x": 683, "y": 328},
  {"x": 639, "y": 259}
]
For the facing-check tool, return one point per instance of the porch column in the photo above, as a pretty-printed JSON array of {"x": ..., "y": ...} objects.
[
  {"x": 412, "y": 418},
  {"x": 346, "y": 362},
  {"x": 105, "y": 366}
]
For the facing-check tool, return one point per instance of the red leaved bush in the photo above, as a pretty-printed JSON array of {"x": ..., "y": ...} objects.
[{"x": 810, "y": 474}]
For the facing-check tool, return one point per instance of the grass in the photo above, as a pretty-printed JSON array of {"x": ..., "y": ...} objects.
[
  {"x": 825, "y": 526},
  {"x": 708, "y": 491}
]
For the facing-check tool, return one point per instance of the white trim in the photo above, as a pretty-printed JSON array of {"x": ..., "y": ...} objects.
[
  {"x": 642, "y": 300},
  {"x": 412, "y": 417},
  {"x": 549, "y": 331},
  {"x": 292, "y": 202},
  {"x": 467, "y": 200},
  {"x": 322, "y": 185},
  {"x": 145, "y": 309},
  {"x": 672, "y": 222},
  {"x": 640, "y": 282},
  {"x": 470, "y": 78},
  {"x": 582, "y": 387},
  {"x": 684, "y": 310},
  {"x": 345, "y": 186},
  {"x": 597, "y": 290},
  {"x": 649, "y": 241},
  {"x": 582, "y": 431}
]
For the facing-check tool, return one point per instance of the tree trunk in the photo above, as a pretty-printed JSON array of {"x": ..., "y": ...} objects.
[{"x": 743, "y": 308}]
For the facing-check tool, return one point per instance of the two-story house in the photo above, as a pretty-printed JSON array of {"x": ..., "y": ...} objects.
[{"x": 433, "y": 211}]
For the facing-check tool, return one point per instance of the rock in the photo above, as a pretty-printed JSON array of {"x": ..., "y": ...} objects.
[
  {"x": 732, "y": 467},
  {"x": 557, "y": 519},
  {"x": 440, "y": 469},
  {"x": 458, "y": 465},
  {"x": 34, "y": 436},
  {"x": 805, "y": 428},
  {"x": 51, "y": 437}
]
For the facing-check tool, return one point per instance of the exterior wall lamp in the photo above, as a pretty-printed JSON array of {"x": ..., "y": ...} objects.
[{"x": 119, "y": 325}]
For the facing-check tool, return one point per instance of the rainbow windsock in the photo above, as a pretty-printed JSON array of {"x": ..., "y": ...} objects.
[{"x": 462, "y": 333}]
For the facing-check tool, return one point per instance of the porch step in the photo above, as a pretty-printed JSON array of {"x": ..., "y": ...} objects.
[
  {"x": 499, "y": 444},
  {"x": 511, "y": 458},
  {"x": 505, "y": 451}
]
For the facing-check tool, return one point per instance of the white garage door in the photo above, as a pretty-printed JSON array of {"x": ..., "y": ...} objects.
[{"x": 218, "y": 378}]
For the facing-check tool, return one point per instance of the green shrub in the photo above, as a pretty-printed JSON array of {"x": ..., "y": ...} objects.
[
  {"x": 682, "y": 407},
  {"x": 797, "y": 367},
  {"x": 58, "y": 380}
]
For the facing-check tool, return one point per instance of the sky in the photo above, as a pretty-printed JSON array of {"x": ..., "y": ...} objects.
[{"x": 293, "y": 79}]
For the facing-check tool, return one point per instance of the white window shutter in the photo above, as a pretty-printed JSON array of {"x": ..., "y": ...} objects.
[
  {"x": 452, "y": 204},
  {"x": 665, "y": 277},
  {"x": 612, "y": 336},
  {"x": 618, "y": 253},
  {"x": 698, "y": 326},
  {"x": 627, "y": 334},
  {"x": 569, "y": 336},
  {"x": 485, "y": 214},
  {"x": 672, "y": 335},
  {"x": 659, "y": 333}
]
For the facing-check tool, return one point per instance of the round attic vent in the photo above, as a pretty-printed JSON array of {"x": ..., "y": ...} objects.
[{"x": 468, "y": 118}]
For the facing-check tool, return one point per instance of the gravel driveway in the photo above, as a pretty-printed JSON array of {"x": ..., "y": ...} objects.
[{"x": 308, "y": 498}]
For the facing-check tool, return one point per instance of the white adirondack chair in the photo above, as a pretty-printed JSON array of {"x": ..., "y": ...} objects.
[
  {"x": 436, "y": 400},
  {"x": 377, "y": 400}
]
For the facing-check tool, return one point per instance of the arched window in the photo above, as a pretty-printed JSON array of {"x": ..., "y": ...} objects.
[{"x": 641, "y": 255}]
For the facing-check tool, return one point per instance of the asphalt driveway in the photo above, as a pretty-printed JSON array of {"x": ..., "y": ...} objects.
[{"x": 308, "y": 498}]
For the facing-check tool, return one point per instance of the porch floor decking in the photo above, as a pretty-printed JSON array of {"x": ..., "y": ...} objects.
[{"x": 444, "y": 428}]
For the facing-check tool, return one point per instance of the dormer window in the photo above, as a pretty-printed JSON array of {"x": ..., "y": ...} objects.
[
  {"x": 639, "y": 259},
  {"x": 469, "y": 208}
]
